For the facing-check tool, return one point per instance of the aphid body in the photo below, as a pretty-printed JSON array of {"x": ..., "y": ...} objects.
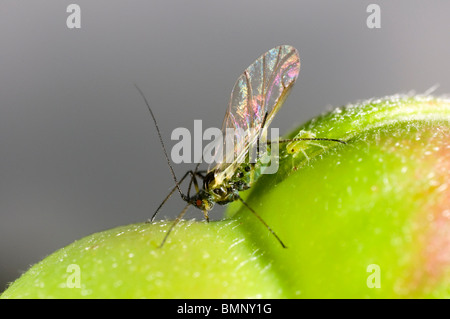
[{"x": 257, "y": 96}]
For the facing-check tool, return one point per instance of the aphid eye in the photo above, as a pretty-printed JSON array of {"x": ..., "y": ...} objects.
[
  {"x": 198, "y": 203},
  {"x": 247, "y": 169},
  {"x": 219, "y": 191}
]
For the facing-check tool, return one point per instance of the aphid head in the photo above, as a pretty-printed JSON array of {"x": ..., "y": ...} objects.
[
  {"x": 202, "y": 201},
  {"x": 299, "y": 145},
  {"x": 218, "y": 192},
  {"x": 209, "y": 181}
]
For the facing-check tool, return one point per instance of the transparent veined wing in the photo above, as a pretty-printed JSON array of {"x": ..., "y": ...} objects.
[{"x": 257, "y": 95}]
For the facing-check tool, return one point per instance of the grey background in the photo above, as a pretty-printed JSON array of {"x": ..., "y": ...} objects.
[{"x": 79, "y": 153}]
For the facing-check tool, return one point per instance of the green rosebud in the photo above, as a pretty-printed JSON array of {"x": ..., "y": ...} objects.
[{"x": 369, "y": 219}]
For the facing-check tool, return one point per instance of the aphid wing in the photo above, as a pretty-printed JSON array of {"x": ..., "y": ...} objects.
[
  {"x": 285, "y": 67},
  {"x": 261, "y": 89}
]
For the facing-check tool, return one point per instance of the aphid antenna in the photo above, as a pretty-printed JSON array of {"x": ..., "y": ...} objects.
[
  {"x": 177, "y": 184},
  {"x": 308, "y": 139}
]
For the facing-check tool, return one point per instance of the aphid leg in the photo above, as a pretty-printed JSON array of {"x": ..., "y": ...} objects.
[
  {"x": 193, "y": 179},
  {"x": 205, "y": 213},
  {"x": 184, "y": 197},
  {"x": 173, "y": 224},
  {"x": 200, "y": 174},
  {"x": 315, "y": 144},
  {"x": 262, "y": 221},
  {"x": 168, "y": 196},
  {"x": 306, "y": 156}
]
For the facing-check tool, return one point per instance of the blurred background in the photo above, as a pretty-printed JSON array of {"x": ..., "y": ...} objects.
[{"x": 78, "y": 150}]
